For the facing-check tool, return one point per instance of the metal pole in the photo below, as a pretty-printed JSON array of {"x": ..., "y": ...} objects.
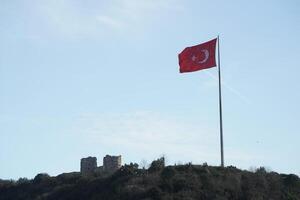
[{"x": 220, "y": 107}]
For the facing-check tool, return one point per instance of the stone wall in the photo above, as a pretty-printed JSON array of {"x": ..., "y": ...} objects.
[
  {"x": 88, "y": 165},
  {"x": 112, "y": 163}
]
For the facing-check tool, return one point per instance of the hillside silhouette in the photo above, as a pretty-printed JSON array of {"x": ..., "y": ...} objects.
[{"x": 158, "y": 182}]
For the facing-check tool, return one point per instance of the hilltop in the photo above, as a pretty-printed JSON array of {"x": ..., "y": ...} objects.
[{"x": 158, "y": 182}]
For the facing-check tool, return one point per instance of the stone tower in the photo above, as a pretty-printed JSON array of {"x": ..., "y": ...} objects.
[
  {"x": 88, "y": 165},
  {"x": 111, "y": 163}
]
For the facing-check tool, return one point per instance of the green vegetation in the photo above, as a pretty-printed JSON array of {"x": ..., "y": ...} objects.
[{"x": 159, "y": 182}]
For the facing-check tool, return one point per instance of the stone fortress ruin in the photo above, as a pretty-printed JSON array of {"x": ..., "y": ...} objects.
[
  {"x": 88, "y": 165},
  {"x": 110, "y": 164}
]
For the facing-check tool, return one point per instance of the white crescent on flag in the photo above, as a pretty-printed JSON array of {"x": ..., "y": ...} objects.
[
  {"x": 206, "y": 53},
  {"x": 206, "y": 56}
]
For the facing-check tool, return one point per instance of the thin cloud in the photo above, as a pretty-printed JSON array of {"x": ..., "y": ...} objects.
[
  {"x": 230, "y": 88},
  {"x": 138, "y": 10},
  {"x": 68, "y": 19},
  {"x": 109, "y": 21},
  {"x": 150, "y": 134}
]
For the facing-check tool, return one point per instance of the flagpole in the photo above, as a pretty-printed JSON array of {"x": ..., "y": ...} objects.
[{"x": 220, "y": 107}]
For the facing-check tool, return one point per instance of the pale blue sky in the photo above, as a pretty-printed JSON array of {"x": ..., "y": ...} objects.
[{"x": 90, "y": 78}]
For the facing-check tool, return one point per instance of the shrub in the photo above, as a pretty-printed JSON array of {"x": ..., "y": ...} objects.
[
  {"x": 23, "y": 181},
  {"x": 126, "y": 170},
  {"x": 291, "y": 180},
  {"x": 157, "y": 165},
  {"x": 41, "y": 178},
  {"x": 168, "y": 173}
]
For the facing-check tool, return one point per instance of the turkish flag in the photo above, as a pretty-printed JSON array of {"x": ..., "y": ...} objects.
[{"x": 198, "y": 57}]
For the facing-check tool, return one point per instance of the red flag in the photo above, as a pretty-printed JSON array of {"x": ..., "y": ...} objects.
[{"x": 198, "y": 57}]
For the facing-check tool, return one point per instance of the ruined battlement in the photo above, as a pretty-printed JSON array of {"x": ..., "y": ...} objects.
[
  {"x": 88, "y": 165},
  {"x": 110, "y": 164}
]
